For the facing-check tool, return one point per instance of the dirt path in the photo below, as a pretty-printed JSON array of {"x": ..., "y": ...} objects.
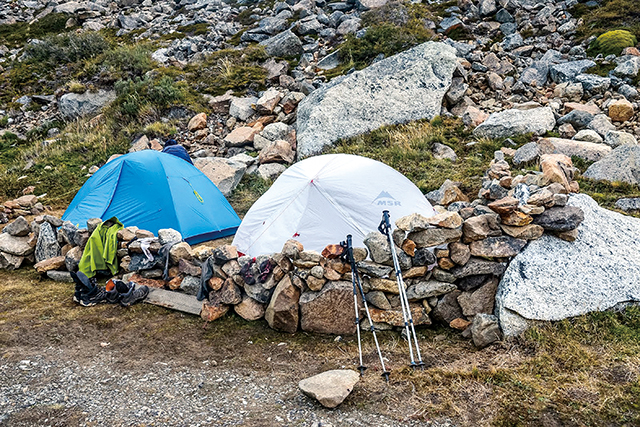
[{"x": 65, "y": 365}]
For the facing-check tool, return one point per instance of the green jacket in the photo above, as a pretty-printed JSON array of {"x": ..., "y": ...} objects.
[{"x": 101, "y": 252}]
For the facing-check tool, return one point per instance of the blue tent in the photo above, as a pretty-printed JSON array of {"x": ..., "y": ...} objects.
[{"x": 152, "y": 190}]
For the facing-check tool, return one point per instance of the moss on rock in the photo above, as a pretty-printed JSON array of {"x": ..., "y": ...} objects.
[{"x": 612, "y": 43}]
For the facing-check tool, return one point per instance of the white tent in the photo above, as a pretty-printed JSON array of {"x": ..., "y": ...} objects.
[{"x": 320, "y": 200}]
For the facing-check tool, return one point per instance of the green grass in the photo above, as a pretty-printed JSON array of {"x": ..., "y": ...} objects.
[
  {"x": 16, "y": 35},
  {"x": 611, "y": 15},
  {"x": 391, "y": 29},
  {"x": 408, "y": 149},
  {"x": 229, "y": 69},
  {"x": 249, "y": 190}
]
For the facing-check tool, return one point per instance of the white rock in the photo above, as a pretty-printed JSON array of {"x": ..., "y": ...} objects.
[
  {"x": 407, "y": 86},
  {"x": 330, "y": 388},
  {"x": 553, "y": 279},
  {"x": 517, "y": 122}
]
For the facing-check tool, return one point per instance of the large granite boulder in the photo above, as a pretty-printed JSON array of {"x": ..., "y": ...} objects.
[
  {"x": 75, "y": 105},
  {"x": 622, "y": 164},
  {"x": 405, "y": 87},
  {"x": 552, "y": 279},
  {"x": 517, "y": 122}
]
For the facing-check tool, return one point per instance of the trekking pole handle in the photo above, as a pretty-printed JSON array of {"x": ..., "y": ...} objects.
[{"x": 384, "y": 224}]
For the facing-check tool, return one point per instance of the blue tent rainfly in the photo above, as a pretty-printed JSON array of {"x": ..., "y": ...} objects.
[{"x": 152, "y": 190}]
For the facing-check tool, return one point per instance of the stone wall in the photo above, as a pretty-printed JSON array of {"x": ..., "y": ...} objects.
[{"x": 451, "y": 263}]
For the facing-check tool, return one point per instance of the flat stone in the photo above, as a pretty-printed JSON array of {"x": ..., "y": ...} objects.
[
  {"x": 514, "y": 122},
  {"x": 588, "y": 151},
  {"x": 373, "y": 269},
  {"x": 325, "y": 311},
  {"x": 242, "y": 135},
  {"x": 384, "y": 285},
  {"x": 527, "y": 232},
  {"x": 560, "y": 218},
  {"x": 49, "y": 264},
  {"x": 446, "y": 220},
  {"x": 435, "y": 236},
  {"x": 497, "y": 247},
  {"x": 477, "y": 266},
  {"x": 394, "y": 317},
  {"x": 429, "y": 288},
  {"x": 628, "y": 204},
  {"x": 60, "y": 276},
  {"x": 14, "y": 245},
  {"x": 330, "y": 388},
  {"x": 615, "y": 138}
]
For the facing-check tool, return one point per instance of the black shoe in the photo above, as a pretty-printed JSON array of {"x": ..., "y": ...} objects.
[
  {"x": 134, "y": 295},
  {"x": 84, "y": 285},
  {"x": 97, "y": 295}
]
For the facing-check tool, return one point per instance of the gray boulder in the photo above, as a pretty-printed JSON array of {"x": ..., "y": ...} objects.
[
  {"x": 593, "y": 84},
  {"x": 225, "y": 173},
  {"x": 408, "y": 86},
  {"x": 527, "y": 153},
  {"x": 615, "y": 138},
  {"x": 19, "y": 227},
  {"x": 485, "y": 330},
  {"x": 241, "y": 108},
  {"x": 14, "y": 245},
  {"x": 73, "y": 105},
  {"x": 517, "y": 122},
  {"x": 553, "y": 279},
  {"x": 284, "y": 44},
  {"x": 622, "y": 164},
  {"x": 567, "y": 71},
  {"x": 628, "y": 68},
  {"x": 629, "y": 204},
  {"x": 47, "y": 245}
]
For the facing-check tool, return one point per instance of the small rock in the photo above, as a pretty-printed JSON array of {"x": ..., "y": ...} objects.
[{"x": 330, "y": 388}]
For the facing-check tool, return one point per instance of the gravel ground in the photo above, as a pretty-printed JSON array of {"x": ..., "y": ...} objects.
[{"x": 103, "y": 391}]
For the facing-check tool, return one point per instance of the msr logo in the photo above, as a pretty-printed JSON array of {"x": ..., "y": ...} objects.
[{"x": 385, "y": 199}]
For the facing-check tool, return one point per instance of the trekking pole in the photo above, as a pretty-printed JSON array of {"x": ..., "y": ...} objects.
[
  {"x": 355, "y": 278},
  {"x": 385, "y": 228}
]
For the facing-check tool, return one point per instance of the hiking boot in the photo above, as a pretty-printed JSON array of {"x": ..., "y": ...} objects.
[
  {"x": 83, "y": 285},
  {"x": 134, "y": 295},
  {"x": 97, "y": 295},
  {"x": 114, "y": 291}
]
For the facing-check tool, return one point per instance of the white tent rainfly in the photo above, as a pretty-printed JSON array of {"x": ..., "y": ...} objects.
[{"x": 322, "y": 199}]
